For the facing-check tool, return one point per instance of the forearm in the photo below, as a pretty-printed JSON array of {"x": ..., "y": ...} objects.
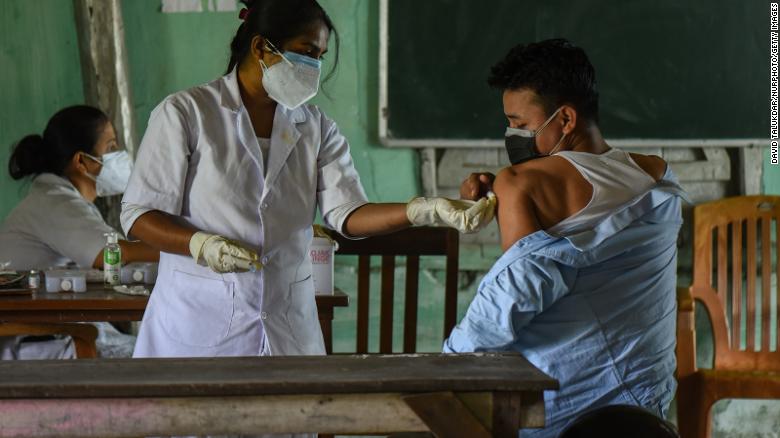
[
  {"x": 375, "y": 219},
  {"x": 164, "y": 232},
  {"x": 131, "y": 252},
  {"x": 138, "y": 252}
]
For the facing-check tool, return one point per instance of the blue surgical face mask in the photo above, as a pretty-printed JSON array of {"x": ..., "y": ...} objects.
[
  {"x": 292, "y": 81},
  {"x": 521, "y": 143}
]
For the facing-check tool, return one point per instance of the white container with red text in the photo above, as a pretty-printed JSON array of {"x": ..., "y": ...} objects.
[{"x": 321, "y": 253}]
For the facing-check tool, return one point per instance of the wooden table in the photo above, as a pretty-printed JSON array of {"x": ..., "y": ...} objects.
[
  {"x": 470, "y": 395},
  {"x": 102, "y": 304},
  {"x": 96, "y": 304}
]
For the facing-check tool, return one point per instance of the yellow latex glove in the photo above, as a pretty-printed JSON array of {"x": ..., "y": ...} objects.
[
  {"x": 320, "y": 231},
  {"x": 465, "y": 216},
  {"x": 222, "y": 255}
]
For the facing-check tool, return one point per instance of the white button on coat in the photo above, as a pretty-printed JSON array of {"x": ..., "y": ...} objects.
[{"x": 200, "y": 159}]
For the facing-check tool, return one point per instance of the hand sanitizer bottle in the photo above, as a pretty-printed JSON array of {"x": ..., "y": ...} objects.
[{"x": 112, "y": 260}]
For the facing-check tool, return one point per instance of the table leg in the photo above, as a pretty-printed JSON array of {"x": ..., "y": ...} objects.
[
  {"x": 513, "y": 411},
  {"x": 326, "y": 324},
  {"x": 446, "y": 416},
  {"x": 506, "y": 413}
]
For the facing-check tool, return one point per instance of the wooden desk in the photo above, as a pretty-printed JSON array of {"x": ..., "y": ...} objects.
[
  {"x": 96, "y": 304},
  {"x": 472, "y": 395},
  {"x": 101, "y": 304}
]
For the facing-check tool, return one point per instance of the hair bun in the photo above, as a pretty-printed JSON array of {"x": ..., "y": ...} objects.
[{"x": 28, "y": 157}]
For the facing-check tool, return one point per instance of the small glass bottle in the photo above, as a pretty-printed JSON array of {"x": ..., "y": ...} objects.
[
  {"x": 33, "y": 279},
  {"x": 112, "y": 260}
]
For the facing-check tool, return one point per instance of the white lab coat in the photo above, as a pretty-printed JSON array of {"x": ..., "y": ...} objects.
[
  {"x": 200, "y": 159},
  {"x": 51, "y": 227}
]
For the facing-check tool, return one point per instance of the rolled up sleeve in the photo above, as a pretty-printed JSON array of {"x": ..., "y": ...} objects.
[
  {"x": 507, "y": 301},
  {"x": 339, "y": 191},
  {"x": 130, "y": 213}
]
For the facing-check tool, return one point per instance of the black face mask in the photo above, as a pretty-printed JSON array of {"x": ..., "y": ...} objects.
[
  {"x": 521, "y": 143},
  {"x": 520, "y": 148}
]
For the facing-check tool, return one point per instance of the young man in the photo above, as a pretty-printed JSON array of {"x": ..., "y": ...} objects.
[{"x": 586, "y": 286}]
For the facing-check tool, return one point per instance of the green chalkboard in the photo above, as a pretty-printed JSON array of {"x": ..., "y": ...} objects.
[{"x": 674, "y": 69}]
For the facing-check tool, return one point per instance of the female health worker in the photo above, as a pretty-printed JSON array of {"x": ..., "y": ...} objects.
[
  {"x": 75, "y": 160},
  {"x": 227, "y": 182}
]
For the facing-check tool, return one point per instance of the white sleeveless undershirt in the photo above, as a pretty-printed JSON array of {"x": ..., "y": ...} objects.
[{"x": 616, "y": 179}]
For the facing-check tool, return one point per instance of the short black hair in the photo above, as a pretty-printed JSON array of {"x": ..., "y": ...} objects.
[
  {"x": 556, "y": 70},
  {"x": 619, "y": 421}
]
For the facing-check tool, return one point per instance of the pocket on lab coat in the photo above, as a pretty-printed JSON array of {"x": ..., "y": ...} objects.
[
  {"x": 199, "y": 310},
  {"x": 302, "y": 313}
]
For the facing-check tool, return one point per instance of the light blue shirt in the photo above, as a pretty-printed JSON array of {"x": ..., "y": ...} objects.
[{"x": 595, "y": 310}]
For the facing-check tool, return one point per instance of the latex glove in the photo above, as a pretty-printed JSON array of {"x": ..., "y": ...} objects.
[
  {"x": 222, "y": 255},
  {"x": 465, "y": 216},
  {"x": 320, "y": 231}
]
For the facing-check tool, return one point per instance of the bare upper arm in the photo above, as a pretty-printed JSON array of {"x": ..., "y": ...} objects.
[
  {"x": 653, "y": 165},
  {"x": 516, "y": 209}
]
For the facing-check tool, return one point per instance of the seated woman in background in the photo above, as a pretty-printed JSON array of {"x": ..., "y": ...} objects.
[{"x": 76, "y": 160}]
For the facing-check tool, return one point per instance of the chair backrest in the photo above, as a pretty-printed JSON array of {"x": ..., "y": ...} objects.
[
  {"x": 733, "y": 252},
  {"x": 412, "y": 243}
]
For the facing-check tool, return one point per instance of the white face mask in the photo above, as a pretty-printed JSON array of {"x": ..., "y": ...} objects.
[
  {"x": 114, "y": 175},
  {"x": 292, "y": 81}
]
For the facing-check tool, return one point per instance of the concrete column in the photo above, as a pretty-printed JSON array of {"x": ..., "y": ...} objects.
[{"x": 105, "y": 75}]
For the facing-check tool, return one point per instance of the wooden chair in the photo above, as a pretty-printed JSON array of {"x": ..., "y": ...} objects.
[
  {"x": 729, "y": 235},
  {"x": 83, "y": 335},
  {"x": 412, "y": 243}
]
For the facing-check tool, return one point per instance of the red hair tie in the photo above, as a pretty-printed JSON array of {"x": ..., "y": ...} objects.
[{"x": 243, "y": 14}]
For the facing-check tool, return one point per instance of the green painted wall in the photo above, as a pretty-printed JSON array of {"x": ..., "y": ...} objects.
[
  {"x": 170, "y": 52},
  {"x": 771, "y": 176},
  {"x": 40, "y": 73},
  {"x": 39, "y": 68},
  {"x": 388, "y": 175}
]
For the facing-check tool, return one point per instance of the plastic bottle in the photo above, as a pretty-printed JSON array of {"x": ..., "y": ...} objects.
[{"x": 112, "y": 260}]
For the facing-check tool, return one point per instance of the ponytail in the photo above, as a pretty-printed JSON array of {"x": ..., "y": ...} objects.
[
  {"x": 29, "y": 157},
  {"x": 239, "y": 47},
  {"x": 72, "y": 130}
]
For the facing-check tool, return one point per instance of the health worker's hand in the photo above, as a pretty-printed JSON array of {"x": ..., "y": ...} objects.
[
  {"x": 222, "y": 255},
  {"x": 476, "y": 186},
  {"x": 463, "y": 215}
]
